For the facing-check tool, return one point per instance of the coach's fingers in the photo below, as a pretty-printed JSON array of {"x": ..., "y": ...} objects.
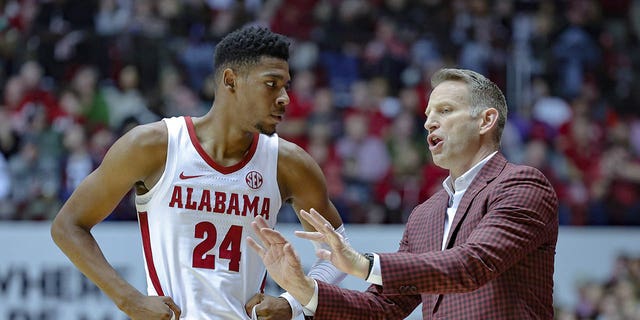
[
  {"x": 310, "y": 235},
  {"x": 322, "y": 226},
  {"x": 316, "y": 220},
  {"x": 304, "y": 214},
  {"x": 321, "y": 221},
  {"x": 256, "y": 247},
  {"x": 256, "y": 225},
  {"x": 265, "y": 233},
  {"x": 256, "y": 229},
  {"x": 292, "y": 256},
  {"x": 273, "y": 236},
  {"x": 262, "y": 223}
]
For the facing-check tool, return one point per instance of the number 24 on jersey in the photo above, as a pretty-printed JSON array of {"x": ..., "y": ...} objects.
[{"x": 229, "y": 247}]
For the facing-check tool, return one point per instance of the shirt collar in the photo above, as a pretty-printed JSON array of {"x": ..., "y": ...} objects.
[{"x": 464, "y": 181}]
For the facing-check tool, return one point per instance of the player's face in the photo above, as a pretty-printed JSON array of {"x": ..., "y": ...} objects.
[
  {"x": 266, "y": 93},
  {"x": 454, "y": 135}
]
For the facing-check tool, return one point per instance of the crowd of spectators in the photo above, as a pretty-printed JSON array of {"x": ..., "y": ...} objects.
[
  {"x": 614, "y": 298},
  {"x": 77, "y": 74}
]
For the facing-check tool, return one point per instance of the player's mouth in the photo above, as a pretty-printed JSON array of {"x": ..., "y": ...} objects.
[{"x": 277, "y": 117}]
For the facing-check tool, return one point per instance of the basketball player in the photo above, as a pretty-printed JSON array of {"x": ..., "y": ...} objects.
[{"x": 199, "y": 183}]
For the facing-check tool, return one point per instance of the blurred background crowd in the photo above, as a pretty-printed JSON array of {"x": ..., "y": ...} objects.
[
  {"x": 77, "y": 74},
  {"x": 613, "y": 298}
]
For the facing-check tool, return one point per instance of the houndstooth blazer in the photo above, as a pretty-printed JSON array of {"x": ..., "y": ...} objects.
[{"x": 498, "y": 262}]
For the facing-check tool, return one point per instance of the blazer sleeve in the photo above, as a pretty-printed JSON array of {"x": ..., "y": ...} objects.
[
  {"x": 521, "y": 216},
  {"x": 338, "y": 303}
]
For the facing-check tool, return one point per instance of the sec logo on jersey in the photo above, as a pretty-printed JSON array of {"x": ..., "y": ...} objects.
[{"x": 253, "y": 179}]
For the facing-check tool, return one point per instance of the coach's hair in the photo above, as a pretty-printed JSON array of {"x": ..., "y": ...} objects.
[
  {"x": 483, "y": 93},
  {"x": 244, "y": 47}
]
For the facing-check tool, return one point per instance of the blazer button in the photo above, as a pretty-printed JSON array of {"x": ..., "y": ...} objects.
[
  {"x": 403, "y": 289},
  {"x": 413, "y": 289}
]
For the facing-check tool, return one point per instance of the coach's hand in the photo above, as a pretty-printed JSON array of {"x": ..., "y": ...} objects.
[
  {"x": 151, "y": 307},
  {"x": 269, "y": 307},
  {"x": 281, "y": 261},
  {"x": 341, "y": 255}
]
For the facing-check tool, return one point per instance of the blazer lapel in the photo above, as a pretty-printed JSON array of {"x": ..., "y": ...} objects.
[
  {"x": 489, "y": 172},
  {"x": 436, "y": 220}
]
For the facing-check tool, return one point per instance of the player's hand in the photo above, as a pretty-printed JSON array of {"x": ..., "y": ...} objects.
[
  {"x": 341, "y": 255},
  {"x": 269, "y": 307},
  {"x": 281, "y": 261},
  {"x": 151, "y": 307}
]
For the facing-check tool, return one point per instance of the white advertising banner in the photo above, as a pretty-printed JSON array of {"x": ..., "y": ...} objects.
[{"x": 37, "y": 282}]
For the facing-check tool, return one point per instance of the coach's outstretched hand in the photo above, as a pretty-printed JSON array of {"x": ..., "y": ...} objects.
[
  {"x": 281, "y": 261},
  {"x": 341, "y": 255}
]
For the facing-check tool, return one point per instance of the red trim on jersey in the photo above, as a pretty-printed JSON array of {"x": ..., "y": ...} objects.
[
  {"x": 264, "y": 283},
  {"x": 210, "y": 161},
  {"x": 148, "y": 256}
]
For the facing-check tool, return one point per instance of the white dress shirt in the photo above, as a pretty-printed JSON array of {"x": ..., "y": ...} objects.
[{"x": 456, "y": 191}]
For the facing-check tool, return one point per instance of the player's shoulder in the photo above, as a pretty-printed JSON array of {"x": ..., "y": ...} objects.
[
  {"x": 147, "y": 136},
  {"x": 297, "y": 168},
  {"x": 291, "y": 153}
]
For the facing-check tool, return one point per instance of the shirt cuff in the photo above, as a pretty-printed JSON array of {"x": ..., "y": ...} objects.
[
  {"x": 375, "y": 276},
  {"x": 296, "y": 307},
  {"x": 310, "y": 308}
]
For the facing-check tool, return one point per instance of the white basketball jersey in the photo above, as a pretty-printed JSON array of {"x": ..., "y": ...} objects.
[{"x": 195, "y": 220}]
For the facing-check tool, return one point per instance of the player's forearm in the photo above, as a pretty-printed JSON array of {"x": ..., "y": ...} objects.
[{"x": 82, "y": 249}]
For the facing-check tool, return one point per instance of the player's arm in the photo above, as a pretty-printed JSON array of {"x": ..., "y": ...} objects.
[
  {"x": 138, "y": 156},
  {"x": 302, "y": 183}
]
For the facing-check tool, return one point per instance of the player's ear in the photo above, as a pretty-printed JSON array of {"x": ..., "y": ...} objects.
[{"x": 229, "y": 79}]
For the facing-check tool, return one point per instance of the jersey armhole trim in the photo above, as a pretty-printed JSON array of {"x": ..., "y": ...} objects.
[
  {"x": 148, "y": 254},
  {"x": 142, "y": 199}
]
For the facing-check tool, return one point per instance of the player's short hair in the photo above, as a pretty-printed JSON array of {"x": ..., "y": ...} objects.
[
  {"x": 244, "y": 47},
  {"x": 483, "y": 93}
]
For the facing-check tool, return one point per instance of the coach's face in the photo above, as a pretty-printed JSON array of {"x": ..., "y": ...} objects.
[{"x": 453, "y": 134}]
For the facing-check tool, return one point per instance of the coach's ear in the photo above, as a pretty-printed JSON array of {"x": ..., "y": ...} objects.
[{"x": 488, "y": 120}]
